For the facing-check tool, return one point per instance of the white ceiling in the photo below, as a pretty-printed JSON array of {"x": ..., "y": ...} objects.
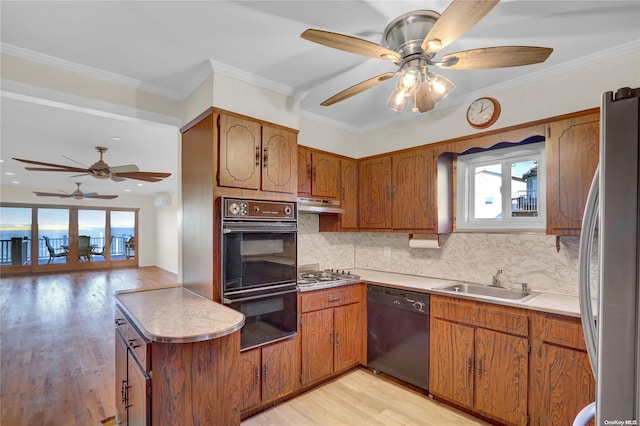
[{"x": 163, "y": 46}]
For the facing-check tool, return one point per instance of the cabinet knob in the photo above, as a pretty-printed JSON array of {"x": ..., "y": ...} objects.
[{"x": 132, "y": 344}]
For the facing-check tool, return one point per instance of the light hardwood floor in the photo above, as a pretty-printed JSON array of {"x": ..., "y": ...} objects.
[
  {"x": 57, "y": 344},
  {"x": 57, "y": 362},
  {"x": 360, "y": 398}
]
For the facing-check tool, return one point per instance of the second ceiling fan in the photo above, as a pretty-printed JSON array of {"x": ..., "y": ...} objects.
[
  {"x": 413, "y": 40},
  {"x": 99, "y": 170}
]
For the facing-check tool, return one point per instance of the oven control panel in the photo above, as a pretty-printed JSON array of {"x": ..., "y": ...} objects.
[{"x": 236, "y": 208}]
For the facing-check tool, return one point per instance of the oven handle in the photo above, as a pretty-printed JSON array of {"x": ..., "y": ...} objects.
[
  {"x": 228, "y": 301},
  {"x": 228, "y": 228}
]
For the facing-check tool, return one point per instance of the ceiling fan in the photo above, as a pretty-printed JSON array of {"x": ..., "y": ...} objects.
[
  {"x": 100, "y": 170},
  {"x": 76, "y": 195},
  {"x": 413, "y": 40}
]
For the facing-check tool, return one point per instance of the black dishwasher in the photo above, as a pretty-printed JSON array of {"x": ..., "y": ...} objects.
[{"x": 398, "y": 334}]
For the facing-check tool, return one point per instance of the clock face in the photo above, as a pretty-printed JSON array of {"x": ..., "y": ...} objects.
[{"x": 483, "y": 112}]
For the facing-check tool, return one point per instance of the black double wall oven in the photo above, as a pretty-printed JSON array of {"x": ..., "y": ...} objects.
[{"x": 259, "y": 267}]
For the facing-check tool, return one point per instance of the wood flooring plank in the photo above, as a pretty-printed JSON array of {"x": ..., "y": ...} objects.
[{"x": 361, "y": 398}]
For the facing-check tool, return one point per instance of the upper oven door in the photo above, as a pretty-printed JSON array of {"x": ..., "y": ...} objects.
[{"x": 258, "y": 254}]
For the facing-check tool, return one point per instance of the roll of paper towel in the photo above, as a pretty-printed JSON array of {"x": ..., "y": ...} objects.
[{"x": 424, "y": 243}]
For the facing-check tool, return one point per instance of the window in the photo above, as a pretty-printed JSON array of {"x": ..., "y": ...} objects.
[{"x": 502, "y": 189}]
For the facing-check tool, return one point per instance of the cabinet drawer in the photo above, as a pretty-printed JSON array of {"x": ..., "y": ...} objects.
[
  {"x": 140, "y": 347},
  {"x": 484, "y": 315},
  {"x": 321, "y": 299},
  {"x": 504, "y": 319},
  {"x": 564, "y": 331},
  {"x": 456, "y": 310}
]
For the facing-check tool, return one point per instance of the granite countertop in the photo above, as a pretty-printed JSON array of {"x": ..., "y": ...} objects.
[
  {"x": 178, "y": 315},
  {"x": 545, "y": 302}
]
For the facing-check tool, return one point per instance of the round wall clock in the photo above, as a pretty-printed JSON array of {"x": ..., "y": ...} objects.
[{"x": 483, "y": 112}]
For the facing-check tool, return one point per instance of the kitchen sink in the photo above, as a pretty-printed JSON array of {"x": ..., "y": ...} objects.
[{"x": 489, "y": 292}]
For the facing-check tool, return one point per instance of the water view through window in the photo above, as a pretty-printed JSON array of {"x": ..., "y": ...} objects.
[{"x": 54, "y": 240}]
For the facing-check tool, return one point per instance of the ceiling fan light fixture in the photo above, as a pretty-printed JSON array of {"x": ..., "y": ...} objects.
[
  {"x": 440, "y": 86},
  {"x": 398, "y": 100}
]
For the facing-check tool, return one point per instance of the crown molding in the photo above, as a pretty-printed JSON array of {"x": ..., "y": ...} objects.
[{"x": 54, "y": 98}]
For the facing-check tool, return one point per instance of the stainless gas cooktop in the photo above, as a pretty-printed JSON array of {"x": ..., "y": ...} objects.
[{"x": 315, "y": 279}]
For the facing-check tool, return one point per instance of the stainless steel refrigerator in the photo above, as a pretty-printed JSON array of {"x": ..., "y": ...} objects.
[{"x": 612, "y": 219}]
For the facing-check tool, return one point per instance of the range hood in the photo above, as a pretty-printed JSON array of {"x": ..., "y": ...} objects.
[{"x": 314, "y": 205}]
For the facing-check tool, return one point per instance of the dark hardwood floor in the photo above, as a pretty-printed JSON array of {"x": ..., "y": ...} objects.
[{"x": 57, "y": 344}]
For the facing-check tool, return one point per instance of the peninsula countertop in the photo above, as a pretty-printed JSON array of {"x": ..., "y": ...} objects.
[{"x": 178, "y": 315}]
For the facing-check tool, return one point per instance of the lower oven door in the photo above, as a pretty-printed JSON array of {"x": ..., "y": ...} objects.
[{"x": 270, "y": 314}]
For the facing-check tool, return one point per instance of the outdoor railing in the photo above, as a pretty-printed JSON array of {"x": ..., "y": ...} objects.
[
  {"x": 117, "y": 248},
  {"x": 525, "y": 201}
]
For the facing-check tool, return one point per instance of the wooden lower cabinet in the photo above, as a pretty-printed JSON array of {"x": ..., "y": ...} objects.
[
  {"x": 476, "y": 367},
  {"x": 332, "y": 332},
  {"x": 480, "y": 369},
  {"x": 562, "y": 380},
  {"x": 268, "y": 373}
]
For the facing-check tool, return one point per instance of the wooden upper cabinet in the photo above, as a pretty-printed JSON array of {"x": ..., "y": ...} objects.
[
  {"x": 279, "y": 154},
  {"x": 256, "y": 156},
  {"x": 374, "y": 192},
  {"x": 239, "y": 144},
  {"x": 349, "y": 196},
  {"x": 415, "y": 190},
  {"x": 318, "y": 174},
  {"x": 304, "y": 171},
  {"x": 572, "y": 157}
]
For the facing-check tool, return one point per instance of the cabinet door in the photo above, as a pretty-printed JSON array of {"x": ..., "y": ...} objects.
[
  {"x": 138, "y": 394},
  {"x": 349, "y": 199},
  {"x": 567, "y": 386},
  {"x": 250, "y": 371},
  {"x": 317, "y": 345},
  {"x": 451, "y": 366},
  {"x": 121, "y": 379},
  {"x": 414, "y": 189},
  {"x": 279, "y": 160},
  {"x": 279, "y": 372},
  {"x": 501, "y": 376},
  {"x": 325, "y": 175},
  {"x": 240, "y": 156},
  {"x": 572, "y": 158},
  {"x": 348, "y": 338},
  {"x": 375, "y": 193},
  {"x": 304, "y": 171}
]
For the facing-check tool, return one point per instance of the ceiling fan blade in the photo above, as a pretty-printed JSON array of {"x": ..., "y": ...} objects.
[
  {"x": 100, "y": 197},
  {"x": 351, "y": 44},
  {"x": 144, "y": 176},
  {"x": 124, "y": 169},
  {"x": 424, "y": 100},
  {"x": 40, "y": 163},
  {"x": 358, "y": 88},
  {"x": 52, "y": 194},
  {"x": 496, "y": 57},
  {"x": 456, "y": 19},
  {"x": 66, "y": 169}
]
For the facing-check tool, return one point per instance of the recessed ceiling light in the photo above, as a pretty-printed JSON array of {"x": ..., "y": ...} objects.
[
  {"x": 127, "y": 190},
  {"x": 8, "y": 173},
  {"x": 140, "y": 184},
  {"x": 15, "y": 181},
  {"x": 115, "y": 138}
]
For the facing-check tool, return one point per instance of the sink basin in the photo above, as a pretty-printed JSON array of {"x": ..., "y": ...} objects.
[{"x": 489, "y": 292}]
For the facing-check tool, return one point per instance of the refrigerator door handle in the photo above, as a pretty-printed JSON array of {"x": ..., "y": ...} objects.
[{"x": 584, "y": 283}]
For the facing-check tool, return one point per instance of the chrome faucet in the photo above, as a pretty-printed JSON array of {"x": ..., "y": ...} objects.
[{"x": 496, "y": 278}]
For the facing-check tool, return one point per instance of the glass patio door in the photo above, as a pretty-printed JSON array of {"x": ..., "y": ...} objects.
[
  {"x": 15, "y": 237},
  {"x": 93, "y": 241},
  {"x": 53, "y": 238}
]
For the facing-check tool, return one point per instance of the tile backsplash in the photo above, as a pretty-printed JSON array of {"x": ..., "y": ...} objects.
[{"x": 473, "y": 257}]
